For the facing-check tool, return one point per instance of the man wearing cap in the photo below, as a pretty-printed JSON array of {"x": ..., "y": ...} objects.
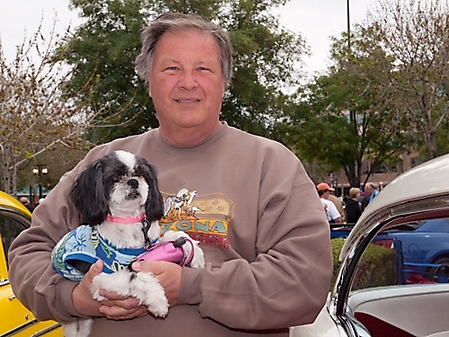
[{"x": 333, "y": 216}]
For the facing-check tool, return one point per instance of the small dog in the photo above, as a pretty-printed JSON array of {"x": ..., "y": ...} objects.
[{"x": 118, "y": 197}]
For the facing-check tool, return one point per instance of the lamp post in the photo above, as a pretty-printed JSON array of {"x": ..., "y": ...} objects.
[
  {"x": 336, "y": 186},
  {"x": 39, "y": 171},
  {"x": 349, "y": 24}
]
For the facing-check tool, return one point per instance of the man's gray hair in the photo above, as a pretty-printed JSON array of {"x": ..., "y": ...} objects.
[
  {"x": 374, "y": 186},
  {"x": 178, "y": 22}
]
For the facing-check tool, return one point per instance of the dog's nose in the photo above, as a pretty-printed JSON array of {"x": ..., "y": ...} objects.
[{"x": 133, "y": 183}]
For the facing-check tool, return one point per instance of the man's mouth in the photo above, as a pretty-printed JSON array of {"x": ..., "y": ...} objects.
[{"x": 188, "y": 100}]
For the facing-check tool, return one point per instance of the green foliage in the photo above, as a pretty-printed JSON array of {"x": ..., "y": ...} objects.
[
  {"x": 406, "y": 44},
  {"x": 377, "y": 267},
  {"x": 103, "y": 49},
  {"x": 384, "y": 96},
  {"x": 102, "y": 52},
  {"x": 337, "y": 245},
  {"x": 347, "y": 118}
]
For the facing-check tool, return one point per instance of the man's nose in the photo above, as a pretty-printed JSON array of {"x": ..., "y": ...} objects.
[{"x": 188, "y": 80}]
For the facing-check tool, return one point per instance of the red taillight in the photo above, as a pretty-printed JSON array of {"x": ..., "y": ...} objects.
[{"x": 386, "y": 243}]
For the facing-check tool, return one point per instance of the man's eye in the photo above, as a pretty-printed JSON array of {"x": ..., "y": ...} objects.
[{"x": 203, "y": 68}]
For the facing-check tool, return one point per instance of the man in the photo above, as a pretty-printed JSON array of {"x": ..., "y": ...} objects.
[
  {"x": 261, "y": 227},
  {"x": 338, "y": 203},
  {"x": 332, "y": 214},
  {"x": 371, "y": 190},
  {"x": 25, "y": 202}
]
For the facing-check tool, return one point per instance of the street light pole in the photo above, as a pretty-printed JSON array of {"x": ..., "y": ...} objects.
[
  {"x": 352, "y": 115},
  {"x": 349, "y": 24},
  {"x": 39, "y": 171}
]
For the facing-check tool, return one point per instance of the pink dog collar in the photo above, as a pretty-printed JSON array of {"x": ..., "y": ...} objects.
[{"x": 127, "y": 220}]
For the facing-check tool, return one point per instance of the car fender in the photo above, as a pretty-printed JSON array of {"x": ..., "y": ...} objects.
[{"x": 439, "y": 249}]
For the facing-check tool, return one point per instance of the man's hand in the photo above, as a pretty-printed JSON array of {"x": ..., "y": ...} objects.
[
  {"x": 114, "y": 307},
  {"x": 169, "y": 275}
]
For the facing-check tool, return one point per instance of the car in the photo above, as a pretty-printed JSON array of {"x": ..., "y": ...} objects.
[
  {"x": 340, "y": 230},
  {"x": 372, "y": 294},
  {"x": 424, "y": 246},
  {"x": 16, "y": 320}
]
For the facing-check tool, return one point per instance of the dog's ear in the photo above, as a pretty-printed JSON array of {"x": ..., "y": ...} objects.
[
  {"x": 89, "y": 195},
  {"x": 154, "y": 206}
]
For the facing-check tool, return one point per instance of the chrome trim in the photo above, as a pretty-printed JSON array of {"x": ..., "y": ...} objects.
[
  {"x": 27, "y": 325},
  {"x": 20, "y": 328},
  {"x": 47, "y": 330},
  {"x": 26, "y": 219}
]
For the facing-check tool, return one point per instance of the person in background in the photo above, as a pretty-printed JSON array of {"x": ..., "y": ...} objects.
[
  {"x": 332, "y": 214},
  {"x": 371, "y": 190},
  {"x": 261, "y": 226},
  {"x": 338, "y": 204},
  {"x": 353, "y": 206},
  {"x": 26, "y": 203}
]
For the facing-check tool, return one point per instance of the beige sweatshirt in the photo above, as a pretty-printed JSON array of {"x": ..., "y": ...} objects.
[{"x": 252, "y": 207}]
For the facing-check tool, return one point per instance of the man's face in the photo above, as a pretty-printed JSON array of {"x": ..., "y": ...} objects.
[
  {"x": 186, "y": 81},
  {"x": 368, "y": 191},
  {"x": 325, "y": 194}
]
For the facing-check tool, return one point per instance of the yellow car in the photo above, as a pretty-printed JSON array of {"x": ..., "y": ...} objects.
[{"x": 16, "y": 320}]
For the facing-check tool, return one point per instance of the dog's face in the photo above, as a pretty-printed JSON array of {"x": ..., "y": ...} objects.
[
  {"x": 118, "y": 184},
  {"x": 126, "y": 180}
]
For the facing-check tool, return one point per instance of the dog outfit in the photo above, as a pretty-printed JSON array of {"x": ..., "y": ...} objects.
[{"x": 84, "y": 243}]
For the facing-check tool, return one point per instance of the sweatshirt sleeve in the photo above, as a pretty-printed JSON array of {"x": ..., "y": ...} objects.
[{"x": 288, "y": 282}]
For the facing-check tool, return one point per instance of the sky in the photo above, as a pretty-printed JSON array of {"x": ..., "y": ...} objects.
[{"x": 315, "y": 20}]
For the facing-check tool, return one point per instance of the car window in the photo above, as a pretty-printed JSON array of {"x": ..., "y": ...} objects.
[
  {"x": 411, "y": 253},
  {"x": 10, "y": 227}
]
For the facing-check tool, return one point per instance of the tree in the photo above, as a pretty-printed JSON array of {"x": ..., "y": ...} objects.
[
  {"x": 345, "y": 118},
  {"x": 102, "y": 52},
  {"x": 414, "y": 35},
  {"x": 36, "y": 117},
  {"x": 385, "y": 94},
  {"x": 105, "y": 46}
]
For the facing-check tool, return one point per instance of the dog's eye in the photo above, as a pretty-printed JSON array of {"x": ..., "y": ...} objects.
[{"x": 117, "y": 179}]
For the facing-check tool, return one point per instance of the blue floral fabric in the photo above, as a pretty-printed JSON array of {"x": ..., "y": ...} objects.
[{"x": 85, "y": 244}]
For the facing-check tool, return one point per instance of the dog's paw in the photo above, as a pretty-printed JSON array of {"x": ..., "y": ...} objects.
[
  {"x": 143, "y": 286},
  {"x": 172, "y": 236},
  {"x": 148, "y": 290},
  {"x": 79, "y": 328},
  {"x": 198, "y": 255},
  {"x": 99, "y": 282}
]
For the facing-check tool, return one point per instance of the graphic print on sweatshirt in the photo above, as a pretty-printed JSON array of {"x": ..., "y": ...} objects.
[{"x": 205, "y": 218}]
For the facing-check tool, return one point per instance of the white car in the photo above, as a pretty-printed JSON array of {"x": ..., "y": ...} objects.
[{"x": 391, "y": 298}]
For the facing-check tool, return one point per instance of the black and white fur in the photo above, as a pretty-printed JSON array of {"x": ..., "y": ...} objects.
[{"x": 123, "y": 185}]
